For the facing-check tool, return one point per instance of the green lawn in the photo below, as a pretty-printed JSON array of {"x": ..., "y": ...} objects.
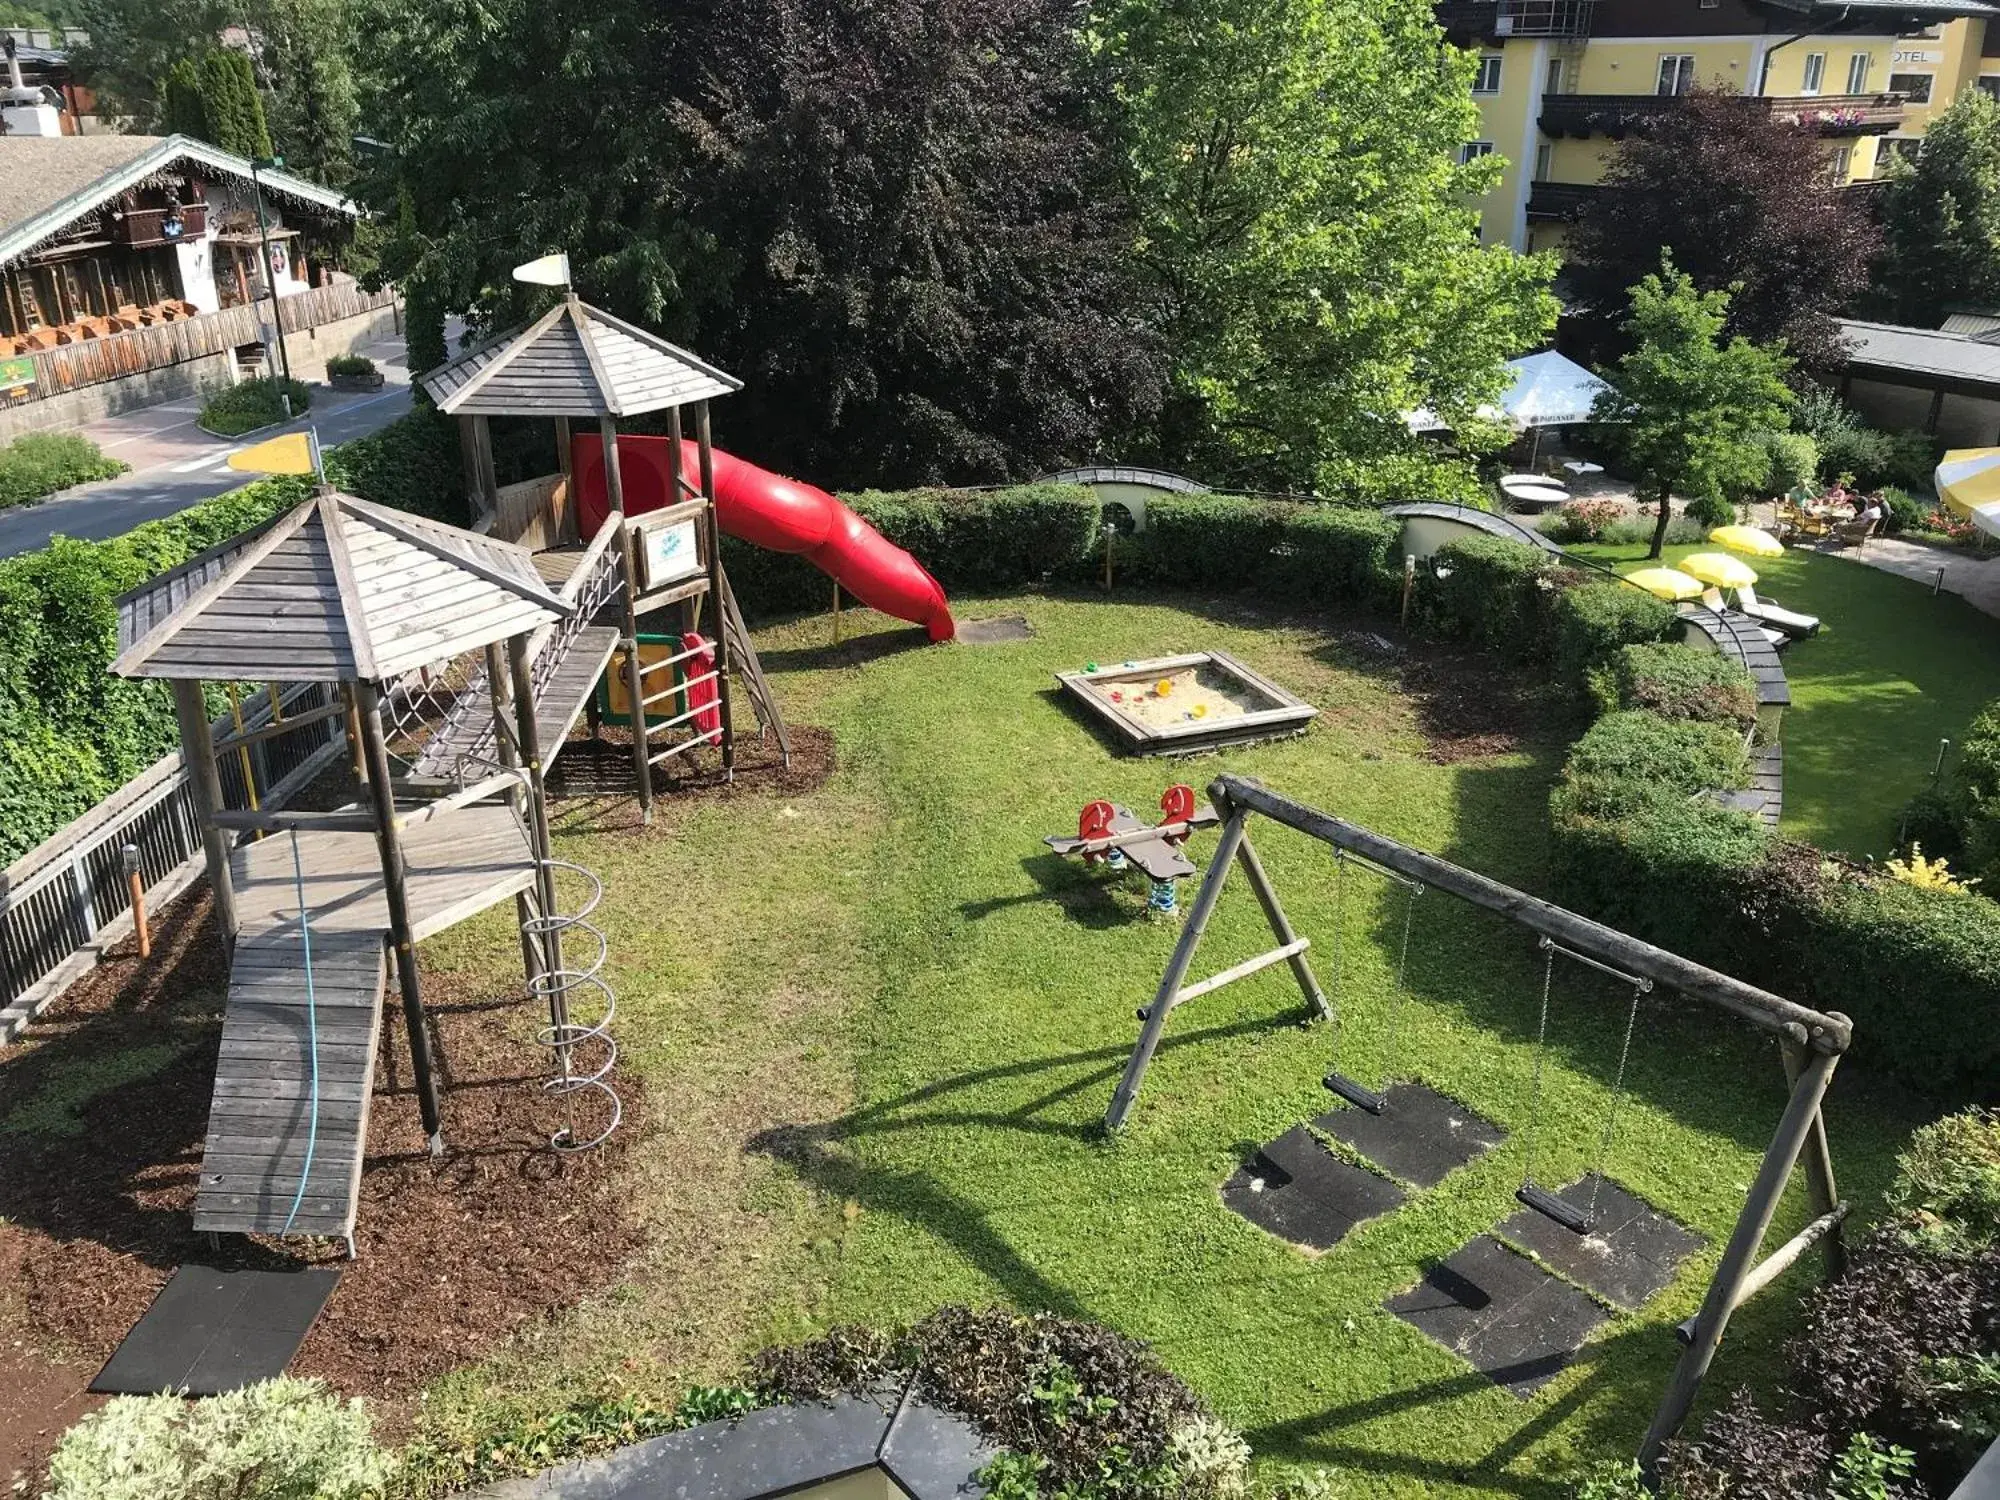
[
  {"x": 1892, "y": 671},
  {"x": 878, "y": 1025}
]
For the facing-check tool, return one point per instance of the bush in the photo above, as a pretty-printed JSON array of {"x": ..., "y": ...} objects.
[
  {"x": 1919, "y": 973},
  {"x": 41, "y": 463},
  {"x": 280, "y": 1439},
  {"x": 1946, "y": 1193},
  {"x": 1904, "y": 512},
  {"x": 1686, "y": 682},
  {"x": 1794, "y": 460},
  {"x": 1493, "y": 592},
  {"x": 1218, "y": 542},
  {"x": 988, "y": 540},
  {"x": 1860, "y": 454},
  {"x": 1682, "y": 531},
  {"x": 1681, "y": 756},
  {"x": 1581, "y": 521},
  {"x": 1912, "y": 459},
  {"x": 1709, "y": 510},
  {"x": 1593, "y": 622},
  {"x": 250, "y": 404},
  {"x": 1741, "y": 1452},
  {"x": 349, "y": 364}
]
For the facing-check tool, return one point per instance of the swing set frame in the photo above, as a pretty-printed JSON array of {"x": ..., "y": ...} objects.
[{"x": 1812, "y": 1043}]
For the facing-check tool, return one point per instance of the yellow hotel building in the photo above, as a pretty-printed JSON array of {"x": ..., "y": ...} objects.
[{"x": 1561, "y": 82}]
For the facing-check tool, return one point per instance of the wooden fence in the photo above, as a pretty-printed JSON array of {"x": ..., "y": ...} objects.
[
  {"x": 93, "y": 361},
  {"x": 61, "y": 904}
]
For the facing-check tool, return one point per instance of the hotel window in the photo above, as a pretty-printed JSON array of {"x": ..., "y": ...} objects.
[
  {"x": 1676, "y": 73},
  {"x": 1545, "y": 161},
  {"x": 1553, "y": 83},
  {"x": 1990, "y": 85},
  {"x": 1915, "y": 87},
  {"x": 1896, "y": 148},
  {"x": 1857, "y": 73},
  {"x": 1487, "y": 79},
  {"x": 1472, "y": 150},
  {"x": 1839, "y": 161},
  {"x": 1815, "y": 76}
]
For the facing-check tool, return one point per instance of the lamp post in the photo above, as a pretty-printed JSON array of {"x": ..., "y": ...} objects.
[{"x": 266, "y": 163}]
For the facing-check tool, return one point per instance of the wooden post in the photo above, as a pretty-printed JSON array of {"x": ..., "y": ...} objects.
[
  {"x": 1817, "y": 1159},
  {"x": 1936, "y": 412},
  {"x": 198, "y": 755},
  {"x": 135, "y": 882},
  {"x": 351, "y": 726},
  {"x": 690, "y": 609},
  {"x": 1177, "y": 967},
  {"x": 1739, "y": 1257},
  {"x": 538, "y": 834},
  {"x": 1281, "y": 927},
  {"x": 836, "y": 611},
  {"x": 570, "y": 529},
  {"x": 489, "y": 478},
  {"x": 614, "y": 491},
  {"x": 402, "y": 942},
  {"x": 715, "y": 587},
  {"x": 500, "y": 686}
]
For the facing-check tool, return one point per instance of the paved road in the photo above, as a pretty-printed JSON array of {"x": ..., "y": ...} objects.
[{"x": 175, "y": 464}]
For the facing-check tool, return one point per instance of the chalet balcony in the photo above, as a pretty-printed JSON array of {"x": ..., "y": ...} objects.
[
  {"x": 141, "y": 227},
  {"x": 1466, "y": 21},
  {"x": 1619, "y": 115}
]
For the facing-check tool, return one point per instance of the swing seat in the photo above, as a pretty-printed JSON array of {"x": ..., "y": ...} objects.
[
  {"x": 1549, "y": 1206},
  {"x": 1354, "y": 1093}
]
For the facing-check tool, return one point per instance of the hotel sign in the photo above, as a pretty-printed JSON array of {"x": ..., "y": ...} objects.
[
  {"x": 15, "y": 374},
  {"x": 1915, "y": 55}
]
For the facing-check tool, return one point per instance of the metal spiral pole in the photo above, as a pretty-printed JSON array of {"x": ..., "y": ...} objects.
[{"x": 585, "y": 1051}]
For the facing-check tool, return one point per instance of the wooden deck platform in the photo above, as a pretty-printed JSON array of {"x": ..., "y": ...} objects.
[
  {"x": 262, "y": 1125},
  {"x": 458, "y": 864}
]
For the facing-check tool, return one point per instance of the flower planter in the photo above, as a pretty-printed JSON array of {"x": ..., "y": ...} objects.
[{"x": 372, "y": 381}]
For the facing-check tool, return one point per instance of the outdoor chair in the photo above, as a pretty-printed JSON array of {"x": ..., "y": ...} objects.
[
  {"x": 1765, "y": 613},
  {"x": 1853, "y": 533}
]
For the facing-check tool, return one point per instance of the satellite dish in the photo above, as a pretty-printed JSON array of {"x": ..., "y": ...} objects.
[{"x": 550, "y": 270}]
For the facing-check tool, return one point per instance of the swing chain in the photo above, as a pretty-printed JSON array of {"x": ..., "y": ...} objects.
[
  {"x": 1412, "y": 889},
  {"x": 1548, "y": 947},
  {"x": 1639, "y": 987}
]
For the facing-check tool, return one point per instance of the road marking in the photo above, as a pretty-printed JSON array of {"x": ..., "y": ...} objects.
[{"x": 205, "y": 461}]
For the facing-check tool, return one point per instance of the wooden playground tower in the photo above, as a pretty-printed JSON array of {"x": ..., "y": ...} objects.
[
  {"x": 577, "y": 362},
  {"x": 338, "y": 590}
]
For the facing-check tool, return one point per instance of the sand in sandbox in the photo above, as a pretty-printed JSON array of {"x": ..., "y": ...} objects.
[{"x": 1188, "y": 699}]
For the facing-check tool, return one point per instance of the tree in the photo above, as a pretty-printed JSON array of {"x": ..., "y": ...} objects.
[
  {"x": 214, "y": 98},
  {"x": 1742, "y": 201},
  {"x": 1941, "y": 217},
  {"x": 1693, "y": 401},
  {"x": 296, "y": 67},
  {"x": 1307, "y": 229},
  {"x": 888, "y": 216}
]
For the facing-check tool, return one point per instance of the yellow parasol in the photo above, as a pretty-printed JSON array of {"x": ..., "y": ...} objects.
[
  {"x": 1720, "y": 569},
  {"x": 1748, "y": 540},
  {"x": 1968, "y": 481},
  {"x": 1669, "y": 584}
]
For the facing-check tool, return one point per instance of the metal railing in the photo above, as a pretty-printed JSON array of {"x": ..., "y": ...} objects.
[{"x": 63, "y": 901}]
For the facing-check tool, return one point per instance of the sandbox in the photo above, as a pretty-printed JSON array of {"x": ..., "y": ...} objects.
[{"x": 1180, "y": 705}]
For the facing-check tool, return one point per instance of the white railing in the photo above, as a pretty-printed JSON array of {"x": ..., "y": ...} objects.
[{"x": 65, "y": 901}]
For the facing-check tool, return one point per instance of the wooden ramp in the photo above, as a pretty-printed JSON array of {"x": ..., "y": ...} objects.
[{"x": 262, "y": 1125}]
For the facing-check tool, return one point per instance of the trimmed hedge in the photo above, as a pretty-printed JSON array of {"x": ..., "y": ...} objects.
[
  {"x": 1302, "y": 552},
  {"x": 1705, "y": 686},
  {"x": 1495, "y": 593},
  {"x": 1591, "y": 624},
  {"x": 252, "y": 404},
  {"x": 1637, "y": 845},
  {"x": 70, "y": 733}
]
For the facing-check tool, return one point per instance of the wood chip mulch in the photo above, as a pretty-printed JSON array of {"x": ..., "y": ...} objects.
[
  {"x": 454, "y": 1254},
  {"x": 1469, "y": 705}
]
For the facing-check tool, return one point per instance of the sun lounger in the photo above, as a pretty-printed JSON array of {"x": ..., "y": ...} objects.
[
  {"x": 1712, "y": 599},
  {"x": 1764, "y": 612}
]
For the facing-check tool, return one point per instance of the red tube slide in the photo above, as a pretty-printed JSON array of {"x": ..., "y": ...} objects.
[{"x": 771, "y": 511}]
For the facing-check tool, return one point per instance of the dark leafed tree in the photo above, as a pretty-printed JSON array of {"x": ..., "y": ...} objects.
[
  {"x": 890, "y": 218},
  {"x": 1740, "y": 200}
]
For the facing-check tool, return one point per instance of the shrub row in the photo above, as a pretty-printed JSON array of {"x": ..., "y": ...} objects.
[
  {"x": 70, "y": 733},
  {"x": 41, "y": 463},
  {"x": 251, "y": 404},
  {"x": 1638, "y": 844},
  {"x": 1042, "y": 533}
]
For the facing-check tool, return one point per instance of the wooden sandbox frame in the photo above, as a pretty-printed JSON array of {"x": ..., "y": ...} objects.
[{"x": 1288, "y": 714}]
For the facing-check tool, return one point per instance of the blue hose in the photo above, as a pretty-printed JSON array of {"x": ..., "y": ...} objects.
[{"x": 312, "y": 1032}]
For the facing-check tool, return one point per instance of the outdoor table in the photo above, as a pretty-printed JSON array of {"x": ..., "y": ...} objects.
[
  {"x": 1532, "y": 491},
  {"x": 1582, "y": 466}
]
